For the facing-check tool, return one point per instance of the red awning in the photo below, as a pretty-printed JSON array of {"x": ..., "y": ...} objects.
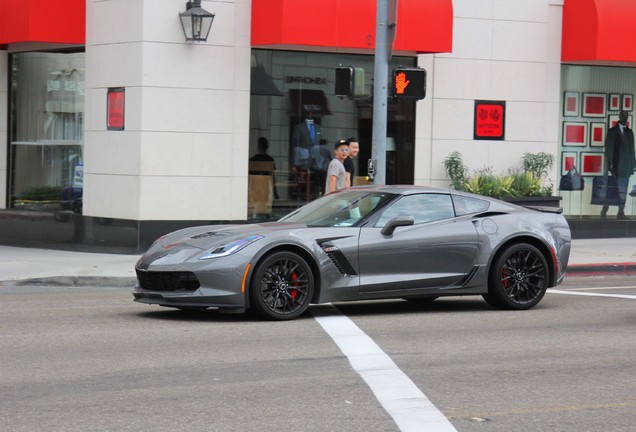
[
  {"x": 44, "y": 21},
  {"x": 599, "y": 31},
  {"x": 423, "y": 26}
]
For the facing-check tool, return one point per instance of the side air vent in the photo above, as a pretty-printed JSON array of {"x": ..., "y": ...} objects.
[{"x": 338, "y": 258}]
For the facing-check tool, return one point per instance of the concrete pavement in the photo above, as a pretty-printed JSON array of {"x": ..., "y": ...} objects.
[{"x": 45, "y": 266}]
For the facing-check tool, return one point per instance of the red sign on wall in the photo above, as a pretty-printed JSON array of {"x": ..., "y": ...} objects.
[
  {"x": 115, "y": 108},
  {"x": 490, "y": 120}
]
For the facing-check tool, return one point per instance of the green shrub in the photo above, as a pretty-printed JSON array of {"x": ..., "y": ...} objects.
[
  {"x": 43, "y": 193},
  {"x": 529, "y": 182}
]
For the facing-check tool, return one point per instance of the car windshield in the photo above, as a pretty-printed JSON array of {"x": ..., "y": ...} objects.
[{"x": 340, "y": 209}]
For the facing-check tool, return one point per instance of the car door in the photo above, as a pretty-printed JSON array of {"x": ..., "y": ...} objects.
[{"x": 437, "y": 250}]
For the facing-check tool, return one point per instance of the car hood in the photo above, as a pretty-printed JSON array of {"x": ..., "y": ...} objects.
[{"x": 188, "y": 244}]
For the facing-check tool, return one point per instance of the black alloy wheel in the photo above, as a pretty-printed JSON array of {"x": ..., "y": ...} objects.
[
  {"x": 282, "y": 286},
  {"x": 519, "y": 278}
]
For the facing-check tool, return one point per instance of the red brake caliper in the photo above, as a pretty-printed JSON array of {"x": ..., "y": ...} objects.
[{"x": 294, "y": 293}]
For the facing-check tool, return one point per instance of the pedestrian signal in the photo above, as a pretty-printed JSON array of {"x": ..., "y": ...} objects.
[
  {"x": 349, "y": 81},
  {"x": 409, "y": 83}
]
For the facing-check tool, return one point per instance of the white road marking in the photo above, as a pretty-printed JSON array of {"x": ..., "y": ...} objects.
[
  {"x": 603, "y": 288},
  {"x": 624, "y": 296},
  {"x": 406, "y": 404}
]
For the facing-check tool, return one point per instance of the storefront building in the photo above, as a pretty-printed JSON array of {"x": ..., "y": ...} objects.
[{"x": 114, "y": 129}]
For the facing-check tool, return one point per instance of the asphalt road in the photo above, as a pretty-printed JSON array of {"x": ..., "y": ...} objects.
[{"x": 89, "y": 359}]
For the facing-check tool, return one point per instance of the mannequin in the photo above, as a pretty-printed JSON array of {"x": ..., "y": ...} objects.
[
  {"x": 620, "y": 159},
  {"x": 302, "y": 141}
]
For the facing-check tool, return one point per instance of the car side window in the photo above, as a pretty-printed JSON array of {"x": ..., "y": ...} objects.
[
  {"x": 422, "y": 208},
  {"x": 467, "y": 205}
]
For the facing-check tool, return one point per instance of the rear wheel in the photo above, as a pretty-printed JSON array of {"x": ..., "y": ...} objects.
[
  {"x": 518, "y": 278},
  {"x": 282, "y": 286}
]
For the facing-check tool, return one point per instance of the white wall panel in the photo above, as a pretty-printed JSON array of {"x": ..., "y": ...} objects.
[
  {"x": 458, "y": 78},
  {"x": 186, "y": 154},
  {"x": 179, "y": 198},
  {"x": 474, "y": 39},
  {"x": 115, "y": 65},
  {"x": 188, "y": 66},
  {"x": 519, "y": 81},
  {"x": 520, "y": 10},
  {"x": 525, "y": 121},
  {"x": 113, "y": 152},
  {"x": 186, "y": 110},
  {"x": 482, "y": 9},
  {"x": 111, "y": 196},
  {"x": 519, "y": 41},
  {"x": 452, "y": 119},
  {"x": 115, "y": 21}
]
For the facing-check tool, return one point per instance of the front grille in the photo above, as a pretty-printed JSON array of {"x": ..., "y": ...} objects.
[{"x": 167, "y": 281}]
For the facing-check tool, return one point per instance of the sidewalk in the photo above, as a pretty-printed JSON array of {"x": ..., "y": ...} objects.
[{"x": 55, "y": 267}]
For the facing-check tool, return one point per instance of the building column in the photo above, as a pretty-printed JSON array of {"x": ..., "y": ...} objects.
[{"x": 183, "y": 153}]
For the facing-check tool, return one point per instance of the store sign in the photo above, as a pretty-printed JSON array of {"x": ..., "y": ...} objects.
[
  {"x": 305, "y": 80},
  {"x": 490, "y": 120},
  {"x": 115, "y": 108}
]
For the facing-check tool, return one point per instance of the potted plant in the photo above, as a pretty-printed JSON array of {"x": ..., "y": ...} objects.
[{"x": 526, "y": 186}]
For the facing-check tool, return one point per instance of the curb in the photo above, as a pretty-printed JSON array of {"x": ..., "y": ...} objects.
[
  {"x": 77, "y": 281},
  {"x": 624, "y": 268}
]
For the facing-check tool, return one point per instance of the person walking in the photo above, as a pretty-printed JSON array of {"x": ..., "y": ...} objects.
[
  {"x": 354, "y": 149},
  {"x": 620, "y": 159},
  {"x": 336, "y": 174}
]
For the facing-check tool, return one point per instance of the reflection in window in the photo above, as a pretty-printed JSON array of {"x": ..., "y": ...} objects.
[
  {"x": 47, "y": 130},
  {"x": 467, "y": 205},
  {"x": 293, "y": 104},
  {"x": 421, "y": 207},
  {"x": 340, "y": 209}
]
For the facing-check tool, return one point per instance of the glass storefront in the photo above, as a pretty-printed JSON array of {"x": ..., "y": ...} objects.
[
  {"x": 289, "y": 87},
  {"x": 592, "y": 98},
  {"x": 46, "y": 131}
]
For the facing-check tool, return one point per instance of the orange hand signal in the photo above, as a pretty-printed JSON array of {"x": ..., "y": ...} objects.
[{"x": 401, "y": 83}]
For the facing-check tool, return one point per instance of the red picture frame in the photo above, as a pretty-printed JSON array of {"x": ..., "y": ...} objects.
[
  {"x": 575, "y": 134},
  {"x": 594, "y": 104},
  {"x": 592, "y": 164},
  {"x": 571, "y": 104},
  {"x": 597, "y": 134},
  {"x": 568, "y": 160},
  {"x": 628, "y": 102},
  {"x": 614, "y": 102}
]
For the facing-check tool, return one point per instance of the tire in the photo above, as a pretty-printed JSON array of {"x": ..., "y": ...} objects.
[
  {"x": 282, "y": 286},
  {"x": 519, "y": 278}
]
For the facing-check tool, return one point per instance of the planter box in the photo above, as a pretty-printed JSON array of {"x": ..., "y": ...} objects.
[{"x": 536, "y": 201}]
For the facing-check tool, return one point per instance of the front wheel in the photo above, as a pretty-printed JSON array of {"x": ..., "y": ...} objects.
[
  {"x": 519, "y": 278},
  {"x": 282, "y": 286}
]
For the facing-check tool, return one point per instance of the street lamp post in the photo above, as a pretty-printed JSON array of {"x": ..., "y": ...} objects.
[{"x": 380, "y": 91}]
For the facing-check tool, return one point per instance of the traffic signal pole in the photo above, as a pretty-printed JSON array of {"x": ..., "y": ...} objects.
[{"x": 380, "y": 91}]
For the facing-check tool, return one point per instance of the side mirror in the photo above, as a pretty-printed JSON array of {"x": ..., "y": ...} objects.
[{"x": 397, "y": 221}]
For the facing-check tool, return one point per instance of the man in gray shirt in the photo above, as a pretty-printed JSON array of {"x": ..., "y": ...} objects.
[{"x": 336, "y": 174}]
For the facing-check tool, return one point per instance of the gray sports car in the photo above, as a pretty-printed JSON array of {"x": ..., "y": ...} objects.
[{"x": 410, "y": 242}]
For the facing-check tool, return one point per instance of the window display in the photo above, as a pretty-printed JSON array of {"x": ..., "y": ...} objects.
[
  {"x": 295, "y": 106},
  {"x": 46, "y": 131}
]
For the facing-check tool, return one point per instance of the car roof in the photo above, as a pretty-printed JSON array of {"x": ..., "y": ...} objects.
[{"x": 401, "y": 189}]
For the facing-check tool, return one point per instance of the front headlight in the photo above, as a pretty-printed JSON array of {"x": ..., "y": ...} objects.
[{"x": 230, "y": 248}]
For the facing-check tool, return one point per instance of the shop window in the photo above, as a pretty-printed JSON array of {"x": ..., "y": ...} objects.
[
  {"x": 47, "y": 131},
  {"x": 289, "y": 88}
]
